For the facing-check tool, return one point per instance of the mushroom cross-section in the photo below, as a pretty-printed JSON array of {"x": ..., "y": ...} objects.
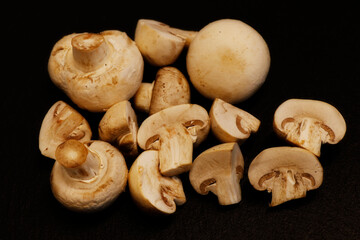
[
  {"x": 150, "y": 190},
  {"x": 96, "y": 70},
  {"x": 61, "y": 123},
  {"x": 287, "y": 172},
  {"x": 159, "y": 43},
  {"x": 309, "y": 123},
  {"x": 173, "y": 131},
  {"x": 88, "y": 176},
  {"x": 231, "y": 124},
  {"x": 119, "y": 127},
  {"x": 219, "y": 170}
]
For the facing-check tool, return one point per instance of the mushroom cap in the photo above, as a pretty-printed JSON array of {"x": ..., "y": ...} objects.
[
  {"x": 230, "y": 124},
  {"x": 150, "y": 190},
  {"x": 97, "y": 193},
  {"x": 187, "y": 114},
  {"x": 318, "y": 110},
  {"x": 117, "y": 79},
  {"x": 62, "y": 122},
  {"x": 284, "y": 157},
  {"x": 228, "y": 59},
  {"x": 223, "y": 166}
]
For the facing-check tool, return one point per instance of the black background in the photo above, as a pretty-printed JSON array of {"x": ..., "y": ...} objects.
[{"x": 314, "y": 54}]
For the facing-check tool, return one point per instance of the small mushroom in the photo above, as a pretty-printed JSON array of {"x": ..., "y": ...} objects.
[
  {"x": 96, "y": 70},
  {"x": 170, "y": 88},
  {"x": 173, "y": 131},
  {"x": 309, "y": 123},
  {"x": 228, "y": 59},
  {"x": 159, "y": 43},
  {"x": 287, "y": 172},
  {"x": 150, "y": 190},
  {"x": 88, "y": 177},
  {"x": 119, "y": 127},
  {"x": 61, "y": 123},
  {"x": 219, "y": 170},
  {"x": 231, "y": 124}
]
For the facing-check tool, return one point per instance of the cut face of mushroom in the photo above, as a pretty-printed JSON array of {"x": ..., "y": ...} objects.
[
  {"x": 287, "y": 172},
  {"x": 173, "y": 131},
  {"x": 219, "y": 170},
  {"x": 159, "y": 43},
  {"x": 170, "y": 88},
  {"x": 228, "y": 59},
  {"x": 88, "y": 177},
  {"x": 96, "y": 70},
  {"x": 150, "y": 190},
  {"x": 309, "y": 123},
  {"x": 119, "y": 127},
  {"x": 62, "y": 123},
  {"x": 231, "y": 124}
]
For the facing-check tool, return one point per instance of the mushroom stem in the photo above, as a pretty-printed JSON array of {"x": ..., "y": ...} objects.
[
  {"x": 89, "y": 51},
  {"x": 227, "y": 190},
  {"x": 78, "y": 161}
]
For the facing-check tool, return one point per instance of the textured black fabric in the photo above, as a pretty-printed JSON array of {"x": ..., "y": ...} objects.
[{"x": 314, "y": 54}]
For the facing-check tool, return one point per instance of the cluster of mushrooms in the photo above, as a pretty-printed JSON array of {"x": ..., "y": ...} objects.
[{"x": 227, "y": 61}]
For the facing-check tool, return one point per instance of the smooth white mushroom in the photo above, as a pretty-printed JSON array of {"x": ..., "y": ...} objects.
[
  {"x": 119, "y": 127},
  {"x": 309, "y": 123},
  {"x": 159, "y": 43},
  {"x": 150, "y": 190},
  {"x": 61, "y": 123},
  {"x": 287, "y": 172},
  {"x": 228, "y": 59},
  {"x": 173, "y": 131},
  {"x": 219, "y": 170},
  {"x": 231, "y": 124},
  {"x": 170, "y": 88},
  {"x": 96, "y": 70},
  {"x": 88, "y": 177}
]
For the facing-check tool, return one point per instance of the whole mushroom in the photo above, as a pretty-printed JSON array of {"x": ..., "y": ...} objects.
[
  {"x": 96, "y": 70},
  {"x": 228, "y": 59}
]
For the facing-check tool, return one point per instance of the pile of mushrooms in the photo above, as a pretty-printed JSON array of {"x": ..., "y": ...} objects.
[{"x": 227, "y": 61}]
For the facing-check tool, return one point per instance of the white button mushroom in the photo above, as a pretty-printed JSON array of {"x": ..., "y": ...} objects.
[
  {"x": 228, "y": 59},
  {"x": 88, "y": 177},
  {"x": 61, "y": 123},
  {"x": 173, "y": 131},
  {"x": 231, "y": 124},
  {"x": 309, "y": 123},
  {"x": 96, "y": 70},
  {"x": 150, "y": 190},
  {"x": 219, "y": 170},
  {"x": 287, "y": 172}
]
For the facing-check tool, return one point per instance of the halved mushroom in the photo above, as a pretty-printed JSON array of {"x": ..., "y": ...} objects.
[
  {"x": 309, "y": 123},
  {"x": 287, "y": 172},
  {"x": 219, "y": 170},
  {"x": 88, "y": 177},
  {"x": 231, "y": 124},
  {"x": 173, "y": 131},
  {"x": 119, "y": 127},
  {"x": 159, "y": 43},
  {"x": 96, "y": 70},
  {"x": 170, "y": 88},
  {"x": 150, "y": 190},
  {"x": 61, "y": 123}
]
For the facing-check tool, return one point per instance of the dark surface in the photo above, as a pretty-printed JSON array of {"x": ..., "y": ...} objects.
[{"x": 315, "y": 54}]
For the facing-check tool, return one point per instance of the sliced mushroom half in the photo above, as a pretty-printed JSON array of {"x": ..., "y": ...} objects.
[
  {"x": 309, "y": 123},
  {"x": 219, "y": 170},
  {"x": 287, "y": 172},
  {"x": 119, "y": 127},
  {"x": 231, "y": 124},
  {"x": 88, "y": 177},
  {"x": 150, "y": 190},
  {"x": 173, "y": 131},
  {"x": 61, "y": 123}
]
